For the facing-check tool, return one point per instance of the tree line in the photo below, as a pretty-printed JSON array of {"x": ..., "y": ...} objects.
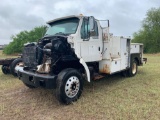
[{"x": 18, "y": 41}]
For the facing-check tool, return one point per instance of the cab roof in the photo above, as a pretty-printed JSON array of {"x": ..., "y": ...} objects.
[{"x": 61, "y": 18}]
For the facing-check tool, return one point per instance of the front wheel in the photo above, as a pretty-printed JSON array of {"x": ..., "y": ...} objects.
[
  {"x": 69, "y": 86},
  {"x": 133, "y": 68}
]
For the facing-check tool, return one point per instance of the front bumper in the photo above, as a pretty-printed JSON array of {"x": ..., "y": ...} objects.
[{"x": 36, "y": 79}]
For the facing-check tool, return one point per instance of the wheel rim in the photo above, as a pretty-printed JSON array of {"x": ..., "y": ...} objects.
[
  {"x": 134, "y": 68},
  {"x": 72, "y": 86}
]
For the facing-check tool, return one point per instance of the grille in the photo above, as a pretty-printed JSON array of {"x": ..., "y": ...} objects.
[{"x": 29, "y": 56}]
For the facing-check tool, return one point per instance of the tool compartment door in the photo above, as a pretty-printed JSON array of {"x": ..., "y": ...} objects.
[{"x": 125, "y": 51}]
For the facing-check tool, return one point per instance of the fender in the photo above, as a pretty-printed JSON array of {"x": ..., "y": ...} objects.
[
  {"x": 84, "y": 65},
  {"x": 86, "y": 69}
]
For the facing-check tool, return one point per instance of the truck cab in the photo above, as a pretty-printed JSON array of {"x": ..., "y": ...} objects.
[{"x": 86, "y": 41}]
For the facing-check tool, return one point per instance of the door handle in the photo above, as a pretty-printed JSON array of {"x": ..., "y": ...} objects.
[{"x": 99, "y": 48}]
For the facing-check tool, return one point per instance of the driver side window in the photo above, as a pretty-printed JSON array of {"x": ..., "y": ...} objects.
[{"x": 85, "y": 30}]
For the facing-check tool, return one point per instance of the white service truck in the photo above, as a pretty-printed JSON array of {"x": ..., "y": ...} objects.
[{"x": 75, "y": 49}]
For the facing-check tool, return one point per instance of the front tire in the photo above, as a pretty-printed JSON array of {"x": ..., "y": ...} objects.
[
  {"x": 69, "y": 86},
  {"x": 133, "y": 68}
]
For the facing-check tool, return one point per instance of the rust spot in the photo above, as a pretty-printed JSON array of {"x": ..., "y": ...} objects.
[
  {"x": 105, "y": 69},
  {"x": 97, "y": 77}
]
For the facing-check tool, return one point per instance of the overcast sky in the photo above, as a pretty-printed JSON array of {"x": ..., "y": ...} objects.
[{"x": 125, "y": 15}]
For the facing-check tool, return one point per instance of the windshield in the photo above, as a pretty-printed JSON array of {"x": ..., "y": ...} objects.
[{"x": 66, "y": 26}]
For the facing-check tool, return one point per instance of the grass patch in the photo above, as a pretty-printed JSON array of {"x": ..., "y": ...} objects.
[
  {"x": 113, "y": 97},
  {"x": 3, "y": 56}
]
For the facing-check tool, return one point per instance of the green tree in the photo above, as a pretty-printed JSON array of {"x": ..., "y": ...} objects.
[
  {"x": 23, "y": 37},
  {"x": 149, "y": 34}
]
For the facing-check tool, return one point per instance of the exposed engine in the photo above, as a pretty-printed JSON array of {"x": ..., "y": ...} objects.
[{"x": 44, "y": 56}]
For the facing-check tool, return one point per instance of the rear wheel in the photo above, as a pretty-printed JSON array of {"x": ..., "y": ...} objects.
[
  {"x": 133, "y": 68},
  {"x": 5, "y": 69},
  {"x": 16, "y": 62},
  {"x": 69, "y": 86}
]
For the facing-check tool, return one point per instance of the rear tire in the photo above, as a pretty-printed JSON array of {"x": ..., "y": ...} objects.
[
  {"x": 5, "y": 69},
  {"x": 15, "y": 63},
  {"x": 133, "y": 69},
  {"x": 69, "y": 86}
]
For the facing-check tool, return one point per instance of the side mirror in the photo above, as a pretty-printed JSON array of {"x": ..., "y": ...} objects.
[{"x": 92, "y": 23}]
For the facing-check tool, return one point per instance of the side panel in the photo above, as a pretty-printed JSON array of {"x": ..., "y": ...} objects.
[
  {"x": 136, "y": 48},
  {"x": 115, "y": 47},
  {"x": 116, "y": 56},
  {"x": 115, "y": 66},
  {"x": 137, "y": 52},
  {"x": 104, "y": 66},
  {"x": 91, "y": 50},
  {"x": 84, "y": 50},
  {"x": 125, "y": 52}
]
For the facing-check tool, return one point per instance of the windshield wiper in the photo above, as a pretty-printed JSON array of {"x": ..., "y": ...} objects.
[{"x": 61, "y": 33}]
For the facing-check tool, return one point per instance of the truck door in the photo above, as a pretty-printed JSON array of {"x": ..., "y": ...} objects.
[{"x": 91, "y": 42}]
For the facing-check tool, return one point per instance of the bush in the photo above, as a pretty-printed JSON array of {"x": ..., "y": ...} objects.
[{"x": 23, "y": 37}]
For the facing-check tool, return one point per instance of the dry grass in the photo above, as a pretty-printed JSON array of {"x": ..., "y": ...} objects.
[
  {"x": 3, "y": 56},
  {"x": 111, "y": 98}
]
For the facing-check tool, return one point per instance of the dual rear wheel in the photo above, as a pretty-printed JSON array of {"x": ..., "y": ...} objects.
[
  {"x": 133, "y": 68},
  {"x": 6, "y": 69},
  {"x": 132, "y": 71}
]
